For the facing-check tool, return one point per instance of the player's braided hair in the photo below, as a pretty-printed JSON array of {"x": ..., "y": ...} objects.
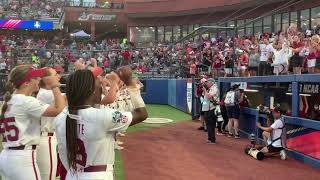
[
  {"x": 79, "y": 88},
  {"x": 16, "y": 75}
]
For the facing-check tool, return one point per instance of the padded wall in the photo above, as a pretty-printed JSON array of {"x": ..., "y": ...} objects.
[
  {"x": 156, "y": 92},
  {"x": 172, "y": 92},
  {"x": 181, "y": 95}
]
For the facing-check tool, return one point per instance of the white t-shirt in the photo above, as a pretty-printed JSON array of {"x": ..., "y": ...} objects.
[
  {"x": 206, "y": 103},
  {"x": 277, "y": 132},
  {"x": 279, "y": 56},
  {"x": 46, "y": 97},
  {"x": 21, "y": 125},
  {"x": 3, "y": 66},
  {"x": 96, "y": 128},
  {"x": 265, "y": 50}
]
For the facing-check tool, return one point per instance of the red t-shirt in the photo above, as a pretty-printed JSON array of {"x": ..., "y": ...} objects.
[
  {"x": 297, "y": 45},
  {"x": 126, "y": 55},
  {"x": 193, "y": 69},
  {"x": 106, "y": 63}
]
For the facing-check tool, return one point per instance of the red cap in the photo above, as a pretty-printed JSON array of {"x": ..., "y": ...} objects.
[
  {"x": 58, "y": 68},
  {"x": 96, "y": 71},
  {"x": 31, "y": 74}
]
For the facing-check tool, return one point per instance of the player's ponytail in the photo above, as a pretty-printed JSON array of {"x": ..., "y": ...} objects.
[
  {"x": 16, "y": 75},
  {"x": 79, "y": 89},
  {"x": 7, "y": 97}
]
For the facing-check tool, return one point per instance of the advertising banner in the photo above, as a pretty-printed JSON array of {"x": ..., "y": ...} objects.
[
  {"x": 304, "y": 140},
  {"x": 189, "y": 95},
  {"x": 96, "y": 17},
  {"x": 26, "y": 24}
]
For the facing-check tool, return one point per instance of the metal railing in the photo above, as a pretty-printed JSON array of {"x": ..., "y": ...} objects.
[{"x": 106, "y": 5}]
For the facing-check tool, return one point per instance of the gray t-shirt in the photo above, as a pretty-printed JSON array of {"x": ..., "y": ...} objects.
[{"x": 254, "y": 60}]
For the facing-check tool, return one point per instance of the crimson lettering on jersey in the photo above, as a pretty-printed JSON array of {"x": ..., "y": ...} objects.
[
  {"x": 81, "y": 154},
  {"x": 8, "y": 125}
]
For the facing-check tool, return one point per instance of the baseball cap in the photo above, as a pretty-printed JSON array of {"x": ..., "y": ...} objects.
[
  {"x": 58, "y": 68},
  {"x": 211, "y": 79},
  {"x": 236, "y": 85},
  {"x": 203, "y": 80},
  {"x": 31, "y": 74}
]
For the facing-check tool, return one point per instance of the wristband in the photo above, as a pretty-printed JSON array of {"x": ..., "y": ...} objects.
[
  {"x": 57, "y": 86},
  {"x": 136, "y": 99}
]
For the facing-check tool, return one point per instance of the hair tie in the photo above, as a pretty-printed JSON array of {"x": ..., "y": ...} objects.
[{"x": 73, "y": 116}]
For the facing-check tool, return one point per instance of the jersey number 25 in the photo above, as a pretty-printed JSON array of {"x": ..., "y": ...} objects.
[{"x": 8, "y": 125}]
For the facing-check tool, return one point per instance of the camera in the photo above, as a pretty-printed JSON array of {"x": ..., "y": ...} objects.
[{"x": 255, "y": 153}]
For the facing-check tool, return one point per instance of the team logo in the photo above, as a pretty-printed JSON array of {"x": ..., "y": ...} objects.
[
  {"x": 116, "y": 117},
  {"x": 124, "y": 119}
]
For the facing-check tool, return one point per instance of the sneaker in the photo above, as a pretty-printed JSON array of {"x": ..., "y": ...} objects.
[
  {"x": 230, "y": 135},
  {"x": 117, "y": 147},
  {"x": 283, "y": 154},
  {"x": 237, "y": 136},
  {"x": 211, "y": 142},
  {"x": 201, "y": 128},
  {"x": 224, "y": 132},
  {"x": 219, "y": 134},
  {"x": 121, "y": 134},
  {"x": 119, "y": 142}
]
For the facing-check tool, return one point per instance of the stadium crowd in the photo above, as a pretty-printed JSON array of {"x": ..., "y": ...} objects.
[
  {"x": 31, "y": 9},
  {"x": 290, "y": 52}
]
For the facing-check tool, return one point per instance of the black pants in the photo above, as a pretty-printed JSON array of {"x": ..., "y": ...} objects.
[
  {"x": 264, "y": 69},
  {"x": 211, "y": 120},
  {"x": 219, "y": 124},
  {"x": 224, "y": 116}
]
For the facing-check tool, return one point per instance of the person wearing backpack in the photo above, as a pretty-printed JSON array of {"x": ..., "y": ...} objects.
[
  {"x": 232, "y": 101},
  {"x": 209, "y": 101},
  {"x": 275, "y": 142}
]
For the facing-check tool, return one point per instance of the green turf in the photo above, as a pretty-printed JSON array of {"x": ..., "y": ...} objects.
[{"x": 160, "y": 111}]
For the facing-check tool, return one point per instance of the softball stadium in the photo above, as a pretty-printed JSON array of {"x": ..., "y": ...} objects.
[{"x": 160, "y": 89}]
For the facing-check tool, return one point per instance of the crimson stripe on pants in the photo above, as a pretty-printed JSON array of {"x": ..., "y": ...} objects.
[
  {"x": 50, "y": 152},
  {"x": 34, "y": 165}
]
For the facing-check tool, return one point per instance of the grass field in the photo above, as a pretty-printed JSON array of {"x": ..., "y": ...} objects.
[{"x": 159, "y": 111}]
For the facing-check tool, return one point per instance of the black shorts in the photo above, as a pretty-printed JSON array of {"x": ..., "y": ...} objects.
[
  {"x": 233, "y": 111},
  {"x": 318, "y": 62},
  {"x": 273, "y": 149},
  {"x": 296, "y": 61},
  {"x": 253, "y": 68}
]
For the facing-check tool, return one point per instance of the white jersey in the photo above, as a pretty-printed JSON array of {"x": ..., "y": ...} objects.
[
  {"x": 46, "y": 97},
  {"x": 21, "y": 125},
  {"x": 96, "y": 128}
]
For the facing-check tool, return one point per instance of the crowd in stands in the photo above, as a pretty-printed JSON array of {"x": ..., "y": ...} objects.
[
  {"x": 31, "y": 9},
  {"x": 290, "y": 52}
]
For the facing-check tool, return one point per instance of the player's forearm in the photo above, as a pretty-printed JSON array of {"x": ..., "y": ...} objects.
[
  {"x": 110, "y": 97},
  {"x": 268, "y": 129},
  {"x": 140, "y": 112},
  {"x": 59, "y": 100}
]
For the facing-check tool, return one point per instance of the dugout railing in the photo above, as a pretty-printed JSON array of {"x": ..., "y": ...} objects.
[{"x": 302, "y": 135}]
